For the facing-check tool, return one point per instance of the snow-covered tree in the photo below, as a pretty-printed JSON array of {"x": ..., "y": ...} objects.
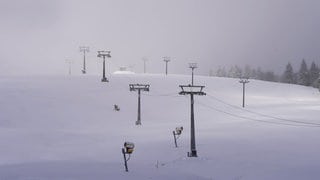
[
  {"x": 260, "y": 74},
  {"x": 270, "y": 76},
  {"x": 231, "y": 72},
  {"x": 238, "y": 72},
  {"x": 211, "y": 73},
  {"x": 221, "y": 72},
  {"x": 288, "y": 75},
  {"x": 303, "y": 74},
  {"x": 253, "y": 74},
  {"x": 314, "y": 74},
  {"x": 247, "y": 71}
]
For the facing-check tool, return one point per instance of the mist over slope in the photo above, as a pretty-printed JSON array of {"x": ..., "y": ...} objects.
[{"x": 65, "y": 127}]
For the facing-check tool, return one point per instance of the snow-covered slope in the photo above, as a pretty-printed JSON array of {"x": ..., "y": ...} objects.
[{"x": 65, "y": 128}]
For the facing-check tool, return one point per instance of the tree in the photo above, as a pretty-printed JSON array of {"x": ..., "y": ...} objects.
[
  {"x": 247, "y": 72},
  {"x": 260, "y": 74},
  {"x": 231, "y": 73},
  {"x": 314, "y": 74},
  {"x": 288, "y": 75},
  {"x": 238, "y": 72},
  {"x": 211, "y": 73},
  {"x": 270, "y": 76},
  {"x": 221, "y": 72},
  {"x": 303, "y": 74}
]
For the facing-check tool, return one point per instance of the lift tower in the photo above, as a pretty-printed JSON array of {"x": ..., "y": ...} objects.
[
  {"x": 166, "y": 60},
  {"x": 104, "y": 54},
  {"x": 139, "y": 88},
  {"x": 192, "y": 90},
  {"x": 192, "y": 66},
  {"x": 84, "y": 49},
  {"x": 244, "y": 81}
]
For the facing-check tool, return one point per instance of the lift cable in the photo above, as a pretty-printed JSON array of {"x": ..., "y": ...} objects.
[
  {"x": 296, "y": 122},
  {"x": 167, "y": 94},
  {"x": 254, "y": 119},
  {"x": 261, "y": 114}
]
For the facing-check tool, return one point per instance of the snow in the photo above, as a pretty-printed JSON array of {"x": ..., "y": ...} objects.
[
  {"x": 64, "y": 127},
  {"x": 123, "y": 72}
]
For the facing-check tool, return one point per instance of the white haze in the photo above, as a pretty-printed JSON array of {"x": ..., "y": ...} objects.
[{"x": 36, "y": 36}]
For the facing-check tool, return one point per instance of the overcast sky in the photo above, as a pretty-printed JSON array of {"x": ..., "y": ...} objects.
[{"x": 37, "y": 36}]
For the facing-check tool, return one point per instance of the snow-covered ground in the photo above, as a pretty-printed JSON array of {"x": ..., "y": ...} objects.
[{"x": 59, "y": 127}]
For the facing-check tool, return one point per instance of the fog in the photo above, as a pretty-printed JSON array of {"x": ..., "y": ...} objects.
[{"x": 37, "y": 36}]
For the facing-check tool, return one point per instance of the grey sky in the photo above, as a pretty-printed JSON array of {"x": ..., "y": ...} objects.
[{"x": 38, "y": 35}]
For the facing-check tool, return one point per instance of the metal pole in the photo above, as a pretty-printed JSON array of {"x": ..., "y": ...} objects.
[
  {"x": 69, "y": 68},
  {"x": 104, "y": 67},
  {"x": 192, "y": 92},
  {"x": 243, "y": 81},
  {"x": 84, "y": 49},
  {"x": 192, "y": 77},
  {"x": 84, "y": 62},
  {"x": 193, "y": 138},
  {"x": 243, "y": 93},
  {"x": 104, "y": 70},
  {"x": 104, "y": 54},
  {"x": 175, "y": 139},
  {"x": 139, "y": 109},
  {"x": 139, "y": 88},
  {"x": 166, "y": 59},
  {"x": 166, "y": 67},
  {"x": 125, "y": 159},
  {"x": 144, "y": 59},
  {"x": 192, "y": 66}
]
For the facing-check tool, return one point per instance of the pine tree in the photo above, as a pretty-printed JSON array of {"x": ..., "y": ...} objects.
[
  {"x": 231, "y": 73},
  {"x": 288, "y": 75},
  {"x": 238, "y": 72},
  {"x": 303, "y": 74},
  {"x": 221, "y": 72},
  {"x": 260, "y": 74},
  {"x": 211, "y": 73},
  {"x": 247, "y": 72},
  {"x": 314, "y": 74},
  {"x": 270, "y": 76},
  {"x": 253, "y": 74}
]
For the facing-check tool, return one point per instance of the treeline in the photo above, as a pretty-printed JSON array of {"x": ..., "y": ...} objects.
[
  {"x": 247, "y": 71},
  {"x": 305, "y": 76}
]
